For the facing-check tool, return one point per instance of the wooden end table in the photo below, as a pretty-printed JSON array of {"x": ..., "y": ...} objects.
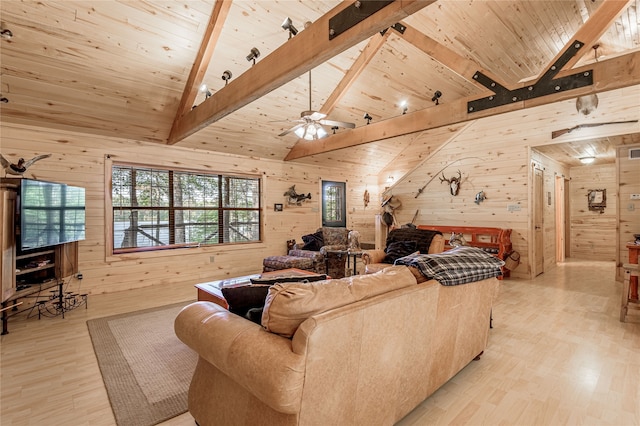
[{"x": 212, "y": 291}]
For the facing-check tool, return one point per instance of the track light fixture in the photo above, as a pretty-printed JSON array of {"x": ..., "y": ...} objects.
[
  {"x": 367, "y": 117},
  {"x": 334, "y": 128},
  {"x": 204, "y": 89},
  {"x": 404, "y": 107},
  {"x": 253, "y": 55},
  {"x": 287, "y": 25},
  {"x": 226, "y": 76},
  {"x": 436, "y": 97},
  {"x": 6, "y": 34}
]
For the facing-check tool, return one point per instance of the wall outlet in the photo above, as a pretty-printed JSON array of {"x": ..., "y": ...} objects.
[
  {"x": 79, "y": 275},
  {"x": 211, "y": 259},
  {"x": 634, "y": 196},
  {"x": 514, "y": 207}
]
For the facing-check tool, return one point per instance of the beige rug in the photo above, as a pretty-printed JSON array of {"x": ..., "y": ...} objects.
[{"x": 145, "y": 367}]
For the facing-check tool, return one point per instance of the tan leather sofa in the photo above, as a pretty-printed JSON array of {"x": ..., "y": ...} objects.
[
  {"x": 372, "y": 259},
  {"x": 365, "y": 349}
]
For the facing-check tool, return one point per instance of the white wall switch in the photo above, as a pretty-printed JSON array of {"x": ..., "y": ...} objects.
[{"x": 635, "y": 196}]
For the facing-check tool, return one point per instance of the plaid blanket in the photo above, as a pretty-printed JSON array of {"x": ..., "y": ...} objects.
[{"x": 460, "y": 265}]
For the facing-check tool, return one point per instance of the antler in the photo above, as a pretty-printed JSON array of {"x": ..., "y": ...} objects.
[
  {"x": 459, "y": 175},
  {"x": 444, "y": 179}
]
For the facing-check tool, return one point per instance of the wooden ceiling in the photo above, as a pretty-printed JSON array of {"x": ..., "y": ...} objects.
[{"x": 122, "y": 68}]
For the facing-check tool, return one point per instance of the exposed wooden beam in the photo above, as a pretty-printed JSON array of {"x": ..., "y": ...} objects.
[
  {"x": 591, "y": 31},
  {"x": 308, "y": 49},
  {"x": 201, "y": 63},
  {"x": 367, "y": 54},
  {"x": 615, "y": 73}
]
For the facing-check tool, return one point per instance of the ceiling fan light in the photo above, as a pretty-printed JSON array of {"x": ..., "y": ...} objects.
[
  {"x": 300, "y": 131},
  {"x": 321, "y": 132},
  {"x": 587, "y": 160}
]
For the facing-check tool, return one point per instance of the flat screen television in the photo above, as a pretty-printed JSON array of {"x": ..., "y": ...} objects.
[{"x": 50, "y": 214}]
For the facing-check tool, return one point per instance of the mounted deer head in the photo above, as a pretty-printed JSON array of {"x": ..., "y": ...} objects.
[{"x": 454, "y": 183}]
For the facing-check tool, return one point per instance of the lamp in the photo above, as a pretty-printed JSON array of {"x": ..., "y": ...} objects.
[
  {"x": 587, "y": 160},
  {"x": 367, "y": 117},
  {"x": 436, "y": 97},
  {"x": 226, "y": 76},
  {"x": 311, "y": 131},
  {"x": 253, "y": 55},
  {"x": 288, "y": 25}
]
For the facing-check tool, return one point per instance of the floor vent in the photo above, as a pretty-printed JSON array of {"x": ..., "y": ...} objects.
[{"x": 634, "y": 153}]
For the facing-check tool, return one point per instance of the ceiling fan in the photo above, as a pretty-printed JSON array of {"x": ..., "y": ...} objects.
[{"x": 311, "y": 122}]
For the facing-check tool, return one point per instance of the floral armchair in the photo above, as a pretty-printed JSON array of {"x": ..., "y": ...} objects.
[{"x": 316, "y": 254}]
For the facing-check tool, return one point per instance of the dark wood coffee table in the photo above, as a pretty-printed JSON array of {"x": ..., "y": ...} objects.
[{"x": 212, "y": 291}]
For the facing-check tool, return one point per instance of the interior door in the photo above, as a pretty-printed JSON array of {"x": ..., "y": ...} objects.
[
  {"x": 560, "y": 219},
  {"x": 538, "y": 221}
]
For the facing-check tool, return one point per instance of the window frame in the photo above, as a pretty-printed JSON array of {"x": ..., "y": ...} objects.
[
  {"x": 342, "y": 222},
  {"x": 113, "y": 253}
]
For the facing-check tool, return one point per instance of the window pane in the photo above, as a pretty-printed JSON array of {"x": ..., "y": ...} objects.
[
  {"x": 140, "y": 228},
  {"x": 241, "y": 192},
  {"x": 241, "y": 226}
]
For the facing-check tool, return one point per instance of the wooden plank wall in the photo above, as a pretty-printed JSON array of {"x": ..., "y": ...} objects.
[
  {"x": 629, "y": 210},
  {"x": 593, "y": 235},
  {"x": 79, "y": 159}
]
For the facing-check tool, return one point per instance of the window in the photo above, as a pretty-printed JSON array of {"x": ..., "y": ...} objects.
[
  {"x": 156, "y": 209},
  {"x": 334, "y": 209}
]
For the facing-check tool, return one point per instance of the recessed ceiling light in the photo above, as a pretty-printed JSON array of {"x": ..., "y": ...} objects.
[{"x": 587, "y": 160}]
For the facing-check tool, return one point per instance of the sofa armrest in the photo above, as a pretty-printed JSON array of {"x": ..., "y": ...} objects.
[
  {"x": 373, "y": 256},
  {"x": 437, "y": 244},
  {"x": 261, "y": 362}
]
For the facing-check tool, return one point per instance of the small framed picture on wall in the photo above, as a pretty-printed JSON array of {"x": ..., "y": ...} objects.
[{"x": 277, "y": 207}]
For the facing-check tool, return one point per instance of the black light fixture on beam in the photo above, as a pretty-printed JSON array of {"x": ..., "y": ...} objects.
[
  {"x": 436, "y": 97},
  {"x": 6, "y": 34},
  {"x": 253, "y": 55},
  {"x": 404, "y": 107},
  {"x": 334, "y": 128},
  {"x": 287, "y": 25},
  {"x": 226, "y": 76},
  {"x": 367, "y": 117}
]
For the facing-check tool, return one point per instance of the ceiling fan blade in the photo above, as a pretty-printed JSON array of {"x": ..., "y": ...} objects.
[
  {"x": 338, "y": 123},
  {"x": 316, "y": 116},
  {"x": 293, "y": 129}
]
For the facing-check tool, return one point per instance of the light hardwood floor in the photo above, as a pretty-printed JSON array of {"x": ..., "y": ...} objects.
[{"x": 557, "y": 355}]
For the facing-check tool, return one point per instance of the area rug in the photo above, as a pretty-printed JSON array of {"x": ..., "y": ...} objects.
[{"x": 145, "y": 367}]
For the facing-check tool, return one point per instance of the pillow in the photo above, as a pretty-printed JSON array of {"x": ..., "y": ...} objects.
[
  {"x": 313, "y": 242},
  {"x": 289, "y": 304},
  {"x": 245, "y": 297},
  {"x": 295, "y": 279},
  {"x": 399, "y": 249}
]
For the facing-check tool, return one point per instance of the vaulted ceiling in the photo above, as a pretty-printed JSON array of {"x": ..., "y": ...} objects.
[{"x": 132, "y": 68}]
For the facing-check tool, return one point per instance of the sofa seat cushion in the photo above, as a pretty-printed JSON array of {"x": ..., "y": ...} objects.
[
  {"x": 289, "y": 304},
  {"x": 460, "y": 265}
]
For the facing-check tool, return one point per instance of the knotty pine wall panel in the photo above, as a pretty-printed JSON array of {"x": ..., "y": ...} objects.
[
  {"x": 593, "y": 234},
  {"x": 80, "y": 159},
  {"x": 629, "y": 210}
]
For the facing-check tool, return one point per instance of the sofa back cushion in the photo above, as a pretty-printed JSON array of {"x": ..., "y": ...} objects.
[
  {"x": 335, "y": 236},
  {"x": 289, "y": 304}
]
